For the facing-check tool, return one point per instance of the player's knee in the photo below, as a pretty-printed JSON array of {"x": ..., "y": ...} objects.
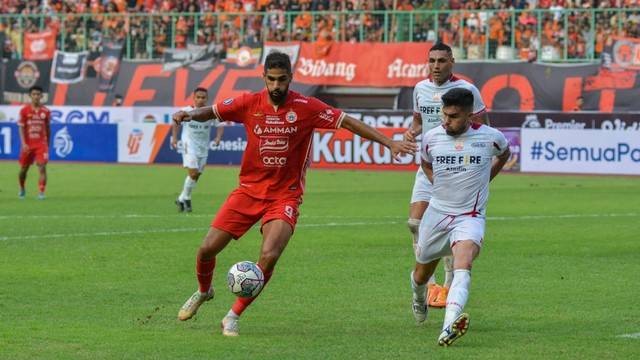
[
  {"x": 194, "y": 175},
  {"x": 413, "y": 225},
  {"x": 269, "y": 258}
]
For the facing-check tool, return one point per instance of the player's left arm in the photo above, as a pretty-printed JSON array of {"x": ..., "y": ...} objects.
[
  {"x": 219, "y": 133},
  {"x": 427, "y": 167},
  {"x": 498, "y": 162},
  {"x": 360, "y": 128}
]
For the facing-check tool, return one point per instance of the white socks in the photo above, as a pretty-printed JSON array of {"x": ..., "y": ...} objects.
[
  {"x": 458, "y": 295},
  {"x": 233, "y": 315},
  {"x": 448, "y": 271},
  {"x": 189, "y": 184},
  {"x": 419, "y": 294}
]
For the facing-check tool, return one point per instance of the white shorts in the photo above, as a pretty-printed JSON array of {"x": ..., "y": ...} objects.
[
  {"x": 191, "y": 161},
  {"x": 422, "y": 188},
  {"x": 439, "y": 232}
]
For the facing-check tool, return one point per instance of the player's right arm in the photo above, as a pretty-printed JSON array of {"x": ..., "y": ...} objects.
[
  {"x": 21, "y": 122},
  {"x": 200, "y": 114},
  {"x": 174, "y": 135},
  {"x": 414, "y": 129}
]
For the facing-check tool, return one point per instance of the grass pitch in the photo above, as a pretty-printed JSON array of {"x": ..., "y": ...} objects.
[{"x": 99, "y": 269}]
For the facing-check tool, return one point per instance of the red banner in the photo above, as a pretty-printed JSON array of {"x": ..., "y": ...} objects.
[
  {"x": 39, "y": 46},
  {"x": 362, "y": 64},
  {"x": 341, "y": 149}
]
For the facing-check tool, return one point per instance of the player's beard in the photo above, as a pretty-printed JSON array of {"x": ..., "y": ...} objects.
[{"x": 277, "y": 96}]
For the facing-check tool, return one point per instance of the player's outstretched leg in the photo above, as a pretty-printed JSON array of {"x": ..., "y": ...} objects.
[
  {"x": 455, "y": 330},
  {"x": 440, "y": 300},
  {"x": 418, "y": 306},
  {"x": 204, "y": 272},
  {"x": 180, "y": 205},
  {"x": 229, "y": 323},
  {"x": 192, "y": 304}
]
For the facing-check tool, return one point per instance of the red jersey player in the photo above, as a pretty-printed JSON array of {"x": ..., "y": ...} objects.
[
  {"x": 35, "y": 132},
  {"x": 279, "y": 125}
]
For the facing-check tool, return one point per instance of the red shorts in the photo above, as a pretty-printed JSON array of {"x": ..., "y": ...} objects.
[
  {"x": 241, "y": 211},
  {"x": 37, "y": 152}
]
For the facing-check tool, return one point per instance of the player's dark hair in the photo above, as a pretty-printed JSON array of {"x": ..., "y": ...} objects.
[
  {"x": 201, "y": 89},
  {"x": 36, "y": 88},
  {"x": 442, "y": 47},
  {"x": 458, "y": 97},
  {"x": 278, "y": 60}
]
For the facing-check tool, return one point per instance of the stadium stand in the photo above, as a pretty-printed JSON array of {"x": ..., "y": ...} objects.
[{"x": 547, "y": 30}]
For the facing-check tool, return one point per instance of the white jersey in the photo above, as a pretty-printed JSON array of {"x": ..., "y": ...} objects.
[
  {"x": 462, "y": 167},
  {"x": 196, "y": 136},
  {"x": 427, "y": 100}
]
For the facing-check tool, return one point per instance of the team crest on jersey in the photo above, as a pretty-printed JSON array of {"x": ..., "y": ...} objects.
[
  {"x": 437, "y": 96},
  {"x": 291, "y": 116},
  {"x": 459, "y": 145},
  {"x": 227, "y": 101}
]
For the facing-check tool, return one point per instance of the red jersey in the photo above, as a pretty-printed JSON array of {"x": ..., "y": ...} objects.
[
  {"x": 35, "y": 123},
  {"x": 275, "y": 161}
]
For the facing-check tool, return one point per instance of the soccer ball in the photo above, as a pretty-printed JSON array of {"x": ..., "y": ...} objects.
[{"x": 245, "y": 279}]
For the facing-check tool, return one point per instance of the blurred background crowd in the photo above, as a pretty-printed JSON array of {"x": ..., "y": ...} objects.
[{"x": 577, "y": 29}]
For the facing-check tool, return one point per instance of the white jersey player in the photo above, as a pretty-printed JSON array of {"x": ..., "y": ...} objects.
[
  {"x": 195, "y": 147},
  {"x": 458, "y": 159},
  {"x": 427, "y": 105}
]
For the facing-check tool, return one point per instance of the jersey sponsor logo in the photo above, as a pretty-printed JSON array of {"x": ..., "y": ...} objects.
[
  {"x": 271, "y": 130},
  {"x": 301, "y": 100},
  {"x": 135, "y": 138},
  {"x": 63, "y": 143},
  {"x": 273, "y": 120},
  {"x": 458, "y": 159},
  {"x": 291, "y": 116},
  {"x": 274, "y": 161},
  {"x": 430, "y": 109},
  {"x": 327, "y": 115},
  {"x": 479, "y": 145},
  {"x": 227, "y": 101},
  {"x": 274, "y": 144}
]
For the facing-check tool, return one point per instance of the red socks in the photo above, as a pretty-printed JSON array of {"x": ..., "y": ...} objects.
[
  {"x": 241, "y": 303},
  {"x": 42, "y": 184},
  {"x": 204, "y": 272}
]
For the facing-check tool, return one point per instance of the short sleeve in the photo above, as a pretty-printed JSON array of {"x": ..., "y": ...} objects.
[
  {"x": 500, "y": 143},
  {"x": 232, "y": 109},
  {"x": 324, "y": 116},
  {"x": 415, "y": 100},
  {"x": 478, "y": 104}
]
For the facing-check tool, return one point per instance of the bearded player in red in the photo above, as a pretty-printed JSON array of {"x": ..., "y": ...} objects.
[
  {"x": 35, "y": 131},
  {"x": 279, "y": 125}
]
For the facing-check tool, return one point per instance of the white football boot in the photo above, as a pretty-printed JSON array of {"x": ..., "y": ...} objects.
[
  {"x": 190, "y": 307},
  {"x": 455, "y": 330},
  {"x": 230, "y": 326}
]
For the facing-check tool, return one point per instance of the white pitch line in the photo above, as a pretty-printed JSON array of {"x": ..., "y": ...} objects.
[
  {"x": 144, "y": 216},
  {"x": 630, "y": 336},
  {"x": 176, "y": 230},
  {"x": 328, "y": 224}
]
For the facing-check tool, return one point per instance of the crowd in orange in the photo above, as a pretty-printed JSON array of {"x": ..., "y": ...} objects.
[{"x": 480, "y": 27}]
